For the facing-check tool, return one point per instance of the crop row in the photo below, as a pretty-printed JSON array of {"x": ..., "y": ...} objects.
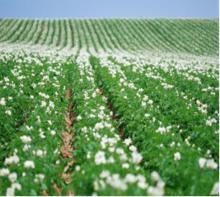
[
  {"x": 34, "y": 161},
  {"x": 188, "y": 36},
  {"x": 127, "y": 128},
  {"x": 32, "y": 108},
  {"x": 106, "y": 164},
  {"x": 192, "y": 116},
  {"x": 146, "y": 113}
]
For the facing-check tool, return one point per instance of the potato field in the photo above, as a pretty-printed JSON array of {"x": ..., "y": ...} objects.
[{"x": 109, "y": 107}]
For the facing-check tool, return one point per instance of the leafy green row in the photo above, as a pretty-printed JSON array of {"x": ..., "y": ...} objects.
[
  {"x": 15, "y": 99},
  {"x": 33, "y": 164},
  {"x": 105, "y": 165},
  {"x": 158, "y": 140},
  {"x": 178, "y": 111},
  {"x": 187, "y": 36}
]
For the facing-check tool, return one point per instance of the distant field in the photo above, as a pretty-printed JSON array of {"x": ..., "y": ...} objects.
[
  {"x": 187, "y": 36},
  {"x": 109, "y": 107}
]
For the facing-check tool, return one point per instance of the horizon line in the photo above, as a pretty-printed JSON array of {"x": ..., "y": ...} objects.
[{"x": 101, "y": 18}]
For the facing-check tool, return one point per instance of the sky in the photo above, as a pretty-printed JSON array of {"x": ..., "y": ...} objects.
[{"x": 109, "y": 8}]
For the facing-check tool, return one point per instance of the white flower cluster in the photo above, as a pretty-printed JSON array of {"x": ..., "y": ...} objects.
[
  {"x": 25, "y": 139},
  {"x": 207, "y": 163},
  {"x": 12, "y": 160},
  {"x": 100, "y": 158},
  {"x": 4, "y": 172},
  {"x": 163, "y": 130},
  {"x": 8, "y": 112},
  {"x": 46, "y": 96},
  {"x": 158, "y": 189},
  {"x": 211, "y": 121},
  {"x": 127, "y": 141},
  {"x": 115, "y": 181},
  {"x": 2, "y": 101},
  {"x": 177, "y": 156},
  {"x": 12, "y": 177},
  {"x": 215, "y": 189},
  {"x": 29, "y": 164},
  {"x": 136, "y": 156},
  {"x": 11, "y": 190},
  {"x": 43, "y": 104},
  {"x": 39, "y": 178},
  {"x": 39, "y": 152},
  {"x": 108, "y": 142},
  {"x": 102, "y": 125},
  {"x": 202, "y": 107},
  {"x": 146, "y": 101},
  {"x": 167, "y": 86}
]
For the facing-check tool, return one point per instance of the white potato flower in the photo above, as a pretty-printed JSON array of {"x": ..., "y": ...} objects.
[
  {"x": 8, "y": 112},
  {"x": 177, "y": 156},
  {"x": 2, "y": 101},
  {"x": 12, "y": 160},
  {"x": 215, "y": 189},
  {"x": 29, "y": 164},
  {"x": 136, "y": 157},
  {"x": 4, "y": 172},
  {"x": 100, "y": 158},
  {"x": 12, "y": 177},
  {"x": 25, "y": 139}
]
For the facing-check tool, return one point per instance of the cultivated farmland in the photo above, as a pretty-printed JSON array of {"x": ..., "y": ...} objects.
[{"x": 109, "y": 107}]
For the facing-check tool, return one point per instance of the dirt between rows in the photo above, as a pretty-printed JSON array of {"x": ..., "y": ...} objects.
[{"x": 66, "y": 150}]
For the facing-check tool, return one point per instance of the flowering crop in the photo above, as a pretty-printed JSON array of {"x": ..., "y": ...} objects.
[
  {"x": 155, "y": 129},
  {"x": 109, "y": 107}
]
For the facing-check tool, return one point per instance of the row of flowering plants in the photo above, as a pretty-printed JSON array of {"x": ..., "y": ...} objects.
[
  {"x": 33, "y": 97},
  {"x": 180, "y": 106},
  {"x": 115, "y": 34},
  {"x": 105, "y": 163},
  {"x": 14, "y": 100},
  {"x": 106, "y": 126},
  {"x": 142, "y": 105}
]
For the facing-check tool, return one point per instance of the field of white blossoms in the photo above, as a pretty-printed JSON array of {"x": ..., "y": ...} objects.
[{"x": 109, "y": 107}]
